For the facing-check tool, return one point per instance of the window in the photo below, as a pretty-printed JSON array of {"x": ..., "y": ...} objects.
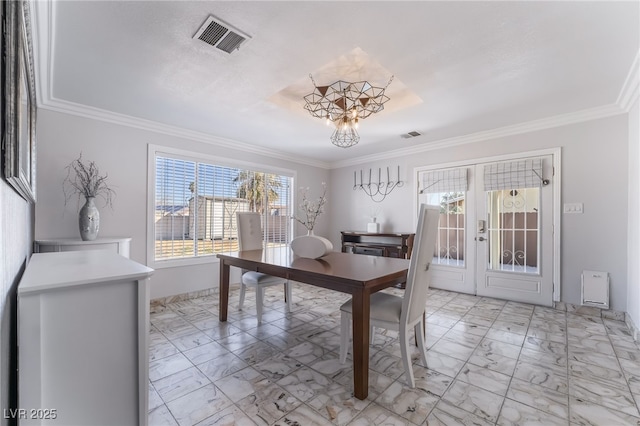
[
  {"x": 195, "y": 204},
  {"x": 450, "y": 243},
  {"x": 513, "y": 202},
  {"x": 447, "y": 188}
]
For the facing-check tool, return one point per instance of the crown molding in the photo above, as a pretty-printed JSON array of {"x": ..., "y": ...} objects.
[
  {"x": 516, "y": 129},
  {"x": 58, "y": 105},
  {"x": 42, "y": 15},
  {"x": 143, "y": 124},
  {"x": 629, "y": 94},
  {"x": 631, "y": 88}
]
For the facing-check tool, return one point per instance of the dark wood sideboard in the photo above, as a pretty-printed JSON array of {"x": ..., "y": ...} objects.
[{"x": 378, "y": 244}]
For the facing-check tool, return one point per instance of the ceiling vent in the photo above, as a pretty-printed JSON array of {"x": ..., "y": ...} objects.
[
  {"x": 221, "y": 35},
  {"x": 410, "y": 135}
]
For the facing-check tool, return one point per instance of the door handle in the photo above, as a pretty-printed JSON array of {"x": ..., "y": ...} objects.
[{"x": 480, "y": 238}]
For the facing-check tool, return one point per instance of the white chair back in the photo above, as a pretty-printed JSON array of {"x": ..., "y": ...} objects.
[
  {"x": 419, "y": 275},
  {"x": 249, "y": 231}
]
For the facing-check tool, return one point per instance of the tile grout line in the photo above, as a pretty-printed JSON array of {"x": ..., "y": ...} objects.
[
  {"x": 467, "y": 360},
  {"x": 442, "y": 308},
  {"x": 250, "y": 366},
  {"x": 569, "y": 381},
  {"x": 622, "y": 370},
  {"x": 516, "y": 366}
]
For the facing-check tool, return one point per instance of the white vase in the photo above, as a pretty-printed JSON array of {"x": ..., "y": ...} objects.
[
  {"x": 311, "y": 246},
  {"x": 89, "y": 220}
]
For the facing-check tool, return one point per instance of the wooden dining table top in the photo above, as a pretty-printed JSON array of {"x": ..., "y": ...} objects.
[{"x": 345, "y": 270}]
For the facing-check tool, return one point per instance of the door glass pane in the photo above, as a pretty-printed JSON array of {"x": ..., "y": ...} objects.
[
  {"x": 450, "y": 245},
  {"x": 513, "y": 230}
]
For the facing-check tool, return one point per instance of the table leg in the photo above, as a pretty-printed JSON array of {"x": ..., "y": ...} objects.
[
  {"x": 360, "y": 318},
  {"x": 224, "y": 290}
]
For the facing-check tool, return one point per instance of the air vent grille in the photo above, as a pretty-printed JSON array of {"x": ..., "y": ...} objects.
[
  {"x": 219, "y": 34},
  {"x": 213, "y": 33},
  {"x": 231, "y": 42},
  {"x": 409, "y": 135}
]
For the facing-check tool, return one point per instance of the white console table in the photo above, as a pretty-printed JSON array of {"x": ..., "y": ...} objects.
[
  {"x": 83, "y": 326},
  {"x": 120, "y": 245}
]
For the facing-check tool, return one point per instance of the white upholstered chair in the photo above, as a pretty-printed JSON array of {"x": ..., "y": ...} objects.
[
  {"x": 250, "y": 237},
  {"x": 402, "y": 313}
]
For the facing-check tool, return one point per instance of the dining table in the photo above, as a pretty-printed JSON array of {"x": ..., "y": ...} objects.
[{"x": 356, "y": 274}]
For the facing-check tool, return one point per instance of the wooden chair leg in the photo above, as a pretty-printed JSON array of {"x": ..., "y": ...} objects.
[
  {"x": 259, "y": 301},
  {"x": 345, "y": 335},
  {"x": 243, "y": 288},
  {"x": 406, "y": 357},
  {"x": 424, "y": 327},
  {"x": 288, "y": 298}
]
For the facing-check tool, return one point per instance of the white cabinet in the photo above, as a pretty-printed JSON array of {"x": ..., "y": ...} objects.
[
  {"x": 83, "y": 326},
  {"x": 120, "y": 245}
]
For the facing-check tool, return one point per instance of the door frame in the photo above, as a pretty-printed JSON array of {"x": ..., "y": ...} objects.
[{"x": 556, "y": 154}]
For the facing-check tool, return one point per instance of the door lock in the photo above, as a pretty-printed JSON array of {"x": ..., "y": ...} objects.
[{"x": 480, "y": 238}]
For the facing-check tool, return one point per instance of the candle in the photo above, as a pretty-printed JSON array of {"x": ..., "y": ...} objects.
[
  {"x": 379, "y": 175},
  {"x": 354, "y": 178},
  {"x": 398, "y": 173},
  {"x": 369, "y": 176},
  {"x": 360, "y": 177},
  {"x": 388, "y": 178}
]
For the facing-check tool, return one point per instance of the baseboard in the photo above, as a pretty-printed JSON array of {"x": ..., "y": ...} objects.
[
  {"x": 161, "y": 302},
  {"x": 632, "y": 327},
  {"x": 590, "y": 311}
]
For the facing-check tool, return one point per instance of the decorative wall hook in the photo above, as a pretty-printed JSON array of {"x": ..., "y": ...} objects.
[{"x": 378, "y": 191}]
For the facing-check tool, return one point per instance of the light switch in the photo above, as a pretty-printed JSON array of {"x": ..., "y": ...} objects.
[{"x": 573, "y": 207}]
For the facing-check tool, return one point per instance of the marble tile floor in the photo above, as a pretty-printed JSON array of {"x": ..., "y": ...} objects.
[{"x": 490, "y": 362}]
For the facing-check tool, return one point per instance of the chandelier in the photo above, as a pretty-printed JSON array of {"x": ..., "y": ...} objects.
[{"x": 344, "y": 104}]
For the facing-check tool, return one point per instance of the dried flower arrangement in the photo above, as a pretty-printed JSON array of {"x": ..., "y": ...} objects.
[
  {"x": 310, "y": 210},
  {"x": 85, "y": 179}
]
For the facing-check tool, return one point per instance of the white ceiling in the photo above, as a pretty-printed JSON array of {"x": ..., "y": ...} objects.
[{"x": 459, "y": 67}]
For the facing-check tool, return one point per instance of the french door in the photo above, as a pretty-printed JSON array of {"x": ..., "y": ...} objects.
[{"x": 496, "y": 228}]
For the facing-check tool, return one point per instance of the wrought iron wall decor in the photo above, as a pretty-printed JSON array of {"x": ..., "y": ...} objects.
[{"x": 378, "y": 191}]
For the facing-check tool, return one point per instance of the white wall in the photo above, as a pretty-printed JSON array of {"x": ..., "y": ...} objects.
[
  {"x": 633, "y": 248},
  {"x": 594, "y": 172},
  {"x": 121, "y": 152},
  {"x": 16, "y": 234}
]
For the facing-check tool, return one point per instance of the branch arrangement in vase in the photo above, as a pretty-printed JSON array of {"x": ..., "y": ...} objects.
[
  {"x": 84, "y": 178},
  {"x": 311, "y": 210}
]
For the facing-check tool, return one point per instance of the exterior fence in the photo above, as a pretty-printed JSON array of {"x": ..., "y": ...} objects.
[{"x": 216, "y": 221}]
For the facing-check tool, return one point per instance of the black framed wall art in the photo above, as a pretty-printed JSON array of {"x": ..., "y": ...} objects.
[{"x": 19, "y": 138}]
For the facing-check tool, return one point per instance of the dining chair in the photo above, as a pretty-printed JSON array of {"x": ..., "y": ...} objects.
[
  {"x": 401, "y": 313},
  {"x": 250, "y": 237}
]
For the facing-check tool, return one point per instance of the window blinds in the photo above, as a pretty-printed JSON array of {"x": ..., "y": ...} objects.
[
  {"x": 437, "y": 181},
  {"x": 172, "y": 206},
  {"x": 513, "y": 174},
  {"x": 196, "y": 205}
]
